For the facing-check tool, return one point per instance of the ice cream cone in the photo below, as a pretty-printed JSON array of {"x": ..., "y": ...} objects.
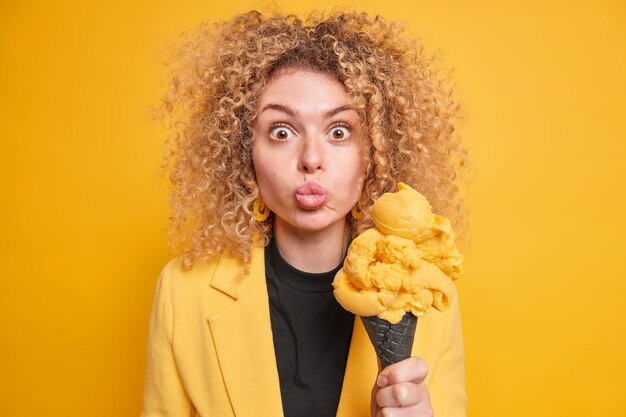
[{"x": 392, "y": 342}]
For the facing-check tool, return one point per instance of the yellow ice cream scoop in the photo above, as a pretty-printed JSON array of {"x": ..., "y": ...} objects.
[
  {"x": 408, "y": 214},
  {"x": 397, "y": 271},
  {"x": 404, "y": 265}
]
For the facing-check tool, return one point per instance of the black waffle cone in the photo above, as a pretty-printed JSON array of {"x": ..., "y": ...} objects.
[{"x": 392, "y": 342}]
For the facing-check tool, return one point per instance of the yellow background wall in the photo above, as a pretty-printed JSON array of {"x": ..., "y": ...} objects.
[{"x": 83, "y": 209}]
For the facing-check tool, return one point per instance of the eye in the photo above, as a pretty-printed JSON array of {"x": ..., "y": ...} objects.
[
  {"x": 339, "y": 133},
  {"x": 281, "y": 133}
]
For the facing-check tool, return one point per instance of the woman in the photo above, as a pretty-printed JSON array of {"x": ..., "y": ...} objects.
[{"x": 286, "y": 131}]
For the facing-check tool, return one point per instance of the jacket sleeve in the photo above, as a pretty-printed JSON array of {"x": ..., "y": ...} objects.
[
  {"x": 164, "y": 395},
  {"x": 447, "y": 389}
]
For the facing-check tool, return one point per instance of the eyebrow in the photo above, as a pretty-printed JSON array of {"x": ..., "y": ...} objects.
[{"x": 291, "y": 112}]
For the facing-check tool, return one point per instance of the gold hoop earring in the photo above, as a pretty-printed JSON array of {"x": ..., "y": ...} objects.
[
  {"x": 356, "y": 211},
  {"x": 261, "y": 213}
]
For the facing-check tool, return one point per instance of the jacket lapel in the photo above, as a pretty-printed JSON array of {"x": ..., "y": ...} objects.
[{"x": 242, "y": 335}]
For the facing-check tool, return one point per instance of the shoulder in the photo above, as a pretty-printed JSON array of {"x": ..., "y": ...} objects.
[
  {"x": 439, "y": 333},
  {"x": 194, "y": 290},
  {"x": 440, "y": 328},
  {"x": 179, "y": 279},
  {"x": 222, "y": 279}
]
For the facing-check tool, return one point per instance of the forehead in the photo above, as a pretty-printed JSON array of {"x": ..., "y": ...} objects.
[{"x": 305, "y": 90}]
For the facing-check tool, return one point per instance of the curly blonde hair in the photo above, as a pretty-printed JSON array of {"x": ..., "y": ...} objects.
[{"x": 218, "y": 74}]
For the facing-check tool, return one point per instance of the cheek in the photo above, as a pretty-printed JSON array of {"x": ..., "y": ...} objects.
[
  {"x": 352, "y": 177},
  {"x": 260, "y": 161},
  {"x": 267, "y": 176},
  {"x": 357, "y": 167},
  {"x": 263, "y": 173}
]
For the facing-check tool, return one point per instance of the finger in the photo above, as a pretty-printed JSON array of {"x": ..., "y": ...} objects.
[
  {"x": 402, "y": 394},
  {"x": 413, "y": 369},
  {"x": 421, "y": 410}
]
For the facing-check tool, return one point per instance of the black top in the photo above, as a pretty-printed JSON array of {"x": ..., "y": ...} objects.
[{"x": 311, "y": 334}]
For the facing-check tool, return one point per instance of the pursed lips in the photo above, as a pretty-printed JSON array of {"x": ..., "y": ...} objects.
[{"x": 311, "y": 195}]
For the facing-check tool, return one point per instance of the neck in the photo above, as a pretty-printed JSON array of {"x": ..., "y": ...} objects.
[{"x": 319, "y": 251}]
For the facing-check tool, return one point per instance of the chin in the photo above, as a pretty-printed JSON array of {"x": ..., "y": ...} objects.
[{"x": 316, "y": 224}]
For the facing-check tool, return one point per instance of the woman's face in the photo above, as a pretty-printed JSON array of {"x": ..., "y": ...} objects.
[{"x": 308, "y": 150}]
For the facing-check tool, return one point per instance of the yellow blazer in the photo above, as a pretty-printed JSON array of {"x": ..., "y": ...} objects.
[{"x": 211, "y": 352}]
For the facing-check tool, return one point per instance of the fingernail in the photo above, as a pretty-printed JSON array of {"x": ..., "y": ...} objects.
[{"x": 382, "y": 381}]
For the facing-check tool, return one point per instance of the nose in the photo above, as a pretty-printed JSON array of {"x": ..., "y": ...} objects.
[{"x": 312, "y": 155}]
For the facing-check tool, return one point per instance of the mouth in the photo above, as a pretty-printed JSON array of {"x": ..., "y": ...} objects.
[{"x": 311, "y": 196}]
